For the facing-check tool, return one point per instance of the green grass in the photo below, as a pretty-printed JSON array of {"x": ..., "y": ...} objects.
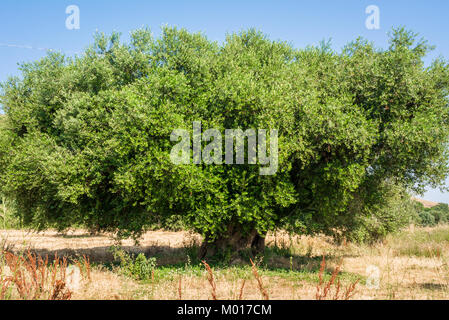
[
  {"x": 436, "y": 235},
  {"x": 275, "y": 263},
  {"x": 173, "y": 272},
  {"x": 421, "y": 243}
]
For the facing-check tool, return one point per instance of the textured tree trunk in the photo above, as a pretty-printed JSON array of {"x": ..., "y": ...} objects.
[{"x": 234, "y": 240}]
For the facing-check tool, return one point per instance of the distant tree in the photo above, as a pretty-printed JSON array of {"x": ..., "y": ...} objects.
[
  {"x": 88, "y": 138},
  {"x": 433, "y": 216},
  {"x": 441, "y": 213}
]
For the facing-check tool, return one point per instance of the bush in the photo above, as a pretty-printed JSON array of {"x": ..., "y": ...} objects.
[
  {"x": 388, "y": 211},
  {"x": 427, "y": 219},
  {"x": 140, "y": 267},
  {"x": 8, "y": 219},
  {"x": 441, "y": 213},
  {"x": 374, "y": 212}
]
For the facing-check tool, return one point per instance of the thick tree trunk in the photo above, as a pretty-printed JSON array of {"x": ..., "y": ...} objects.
[{"x": 235, "y": 240}]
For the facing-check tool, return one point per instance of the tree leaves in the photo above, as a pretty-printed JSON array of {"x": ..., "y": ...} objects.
[{"x": 88, "y": 139}]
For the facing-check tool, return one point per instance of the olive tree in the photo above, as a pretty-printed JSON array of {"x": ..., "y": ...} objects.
[{"x": 88, "y": 139}]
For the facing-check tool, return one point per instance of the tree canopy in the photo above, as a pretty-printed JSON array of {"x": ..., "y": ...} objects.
[{"x": 87, "y": 139}]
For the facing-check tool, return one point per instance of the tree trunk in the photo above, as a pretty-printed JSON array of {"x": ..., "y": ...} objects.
[{"x": 235, "y": 240}]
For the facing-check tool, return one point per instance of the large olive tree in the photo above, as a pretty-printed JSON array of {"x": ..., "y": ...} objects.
[{"x": 87, "y": 139}]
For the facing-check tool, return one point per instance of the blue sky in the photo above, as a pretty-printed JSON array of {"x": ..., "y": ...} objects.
[{"x": 27, "y": 27}]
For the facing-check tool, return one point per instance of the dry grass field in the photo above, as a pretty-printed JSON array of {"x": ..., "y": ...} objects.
[{"x": 408, "y": 265}]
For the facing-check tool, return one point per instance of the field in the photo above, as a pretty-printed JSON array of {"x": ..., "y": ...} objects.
[{"x": 408, "y": 265}]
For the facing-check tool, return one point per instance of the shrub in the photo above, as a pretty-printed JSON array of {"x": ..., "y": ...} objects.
[
  {"x": 393, "y": 211},
  {"x": 441, "y": 213},
  {"x": 140, "y": 267},
  {"x": 433, "y": 216},
  {"x": 8, "y": 220},
  {"x": 373, "y": 213},
  {"x": 427, "y": 219}
]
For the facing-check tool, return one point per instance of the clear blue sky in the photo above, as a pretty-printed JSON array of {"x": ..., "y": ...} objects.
[{"x": 41, "y": 24}]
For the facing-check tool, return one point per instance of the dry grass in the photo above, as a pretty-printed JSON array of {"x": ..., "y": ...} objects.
[
  {"x": 411, "y": 265},
  {"x": 260, "y": 285},
  {"x": 333, "y": 286},
  {"x": 210, "y": 278},
  {"x": 241, "y": 289},
  {"x": 80, "y": 242},
  {"x": 30, "y": 277}
]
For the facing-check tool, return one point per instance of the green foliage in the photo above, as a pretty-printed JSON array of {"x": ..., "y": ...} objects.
[
  {"x": 140, "y": 267},
  {"x": 8, "y": 220},
  {"x": 429, "y": 217},
  {"x": 426, "y": 219},
  {"x": 374, "y": 213},
  {"x": 441, "y": 213},
  {"x": 172, "y": 223},
  {"x": 87, "y": 139},
  {"x": 5, "y": 145},
  {"x": 375, "y": 225}
]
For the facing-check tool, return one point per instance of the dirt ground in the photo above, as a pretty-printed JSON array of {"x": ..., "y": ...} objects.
[
  {"x": 80, "y": 242},
  {"x": 410, "y": 266}
]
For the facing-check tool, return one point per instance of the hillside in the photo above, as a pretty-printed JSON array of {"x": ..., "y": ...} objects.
[{"x": 426, "y": 203}]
